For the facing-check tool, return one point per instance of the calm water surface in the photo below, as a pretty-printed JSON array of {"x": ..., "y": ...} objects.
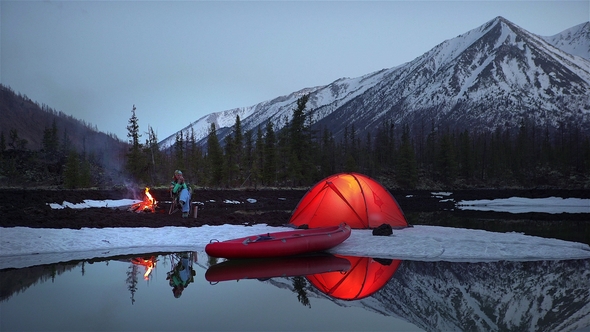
[
  {"x": 372, "y": 294},
  {"x": 311, "y": 294}
]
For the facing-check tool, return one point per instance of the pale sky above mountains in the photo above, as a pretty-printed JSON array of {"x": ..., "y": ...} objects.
[{"x": 177, "y": 61}]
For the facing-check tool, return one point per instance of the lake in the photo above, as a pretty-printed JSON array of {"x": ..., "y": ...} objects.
[
  {"x": 321, "y": 292},
  {"x": 138, "y": 293}
]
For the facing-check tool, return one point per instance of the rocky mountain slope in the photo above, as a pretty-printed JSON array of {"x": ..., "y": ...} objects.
[{"x": 497, "y": 75}]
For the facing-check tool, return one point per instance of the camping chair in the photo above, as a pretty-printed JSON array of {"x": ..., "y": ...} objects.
[{"x": 175, "y": 205}]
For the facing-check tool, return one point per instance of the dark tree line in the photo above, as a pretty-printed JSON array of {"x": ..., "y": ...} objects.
[
  {"x": 56, "y": 163},
  {"x": 300, "y": 154},
  {"x": 40, "y": 146}
]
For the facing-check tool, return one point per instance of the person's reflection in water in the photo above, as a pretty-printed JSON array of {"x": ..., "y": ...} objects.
[{"x": 182, "y": 273}]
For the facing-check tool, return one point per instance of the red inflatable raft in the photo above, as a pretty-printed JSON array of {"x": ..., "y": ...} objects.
[
  {"x": 264, "y": 268},
  {"x": 288, "y": 243}
]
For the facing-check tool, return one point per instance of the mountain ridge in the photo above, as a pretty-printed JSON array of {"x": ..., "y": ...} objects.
[{"x": 482, "y": 69}]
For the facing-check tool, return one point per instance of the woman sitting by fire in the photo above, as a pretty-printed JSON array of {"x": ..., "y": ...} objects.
[{"x": 181, "y": 192}]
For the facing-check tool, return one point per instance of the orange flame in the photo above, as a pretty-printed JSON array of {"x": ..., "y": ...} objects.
[
  {"x": 147, "y": 205},
  {"x": 149, "y": 196},
  {"x": 149, "y": 265}
]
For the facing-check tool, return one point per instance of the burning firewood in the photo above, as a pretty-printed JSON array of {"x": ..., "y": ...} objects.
[{"x": 147, "y": 205}]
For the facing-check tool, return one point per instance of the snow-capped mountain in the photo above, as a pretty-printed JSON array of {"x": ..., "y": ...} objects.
[
  {"x": 575, "y": 40},
  {"x": 495, "y": 75},
  {"x": 490, "y": 296}
]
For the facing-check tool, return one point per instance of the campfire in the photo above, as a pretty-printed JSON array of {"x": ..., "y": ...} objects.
[{"x": 147, "y": 205}]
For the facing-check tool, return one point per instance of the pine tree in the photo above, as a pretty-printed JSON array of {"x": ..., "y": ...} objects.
[
  {"x": 50, "y": 141},
  {"x": 258, "y": 164},
  {"x": 66, "y": 144},
  {"x": 195, "y": 159},
  {"x": 431, "y": 151},
  {"x": 286, "y": 165},
  {"x": 269, "y": 170},
  {"x": 299, "y": 142},
  {"x": 229, "y": 160},
  {"x": 239, "y": 149},
  {"x": 328, "y": 154},
  {"x": 446, "y": 160},
  {"x": 467, "y": 157},
  {"x": 85, "y": 178},
  {"x": 13, "y": 138},
  {"x": 2, "y": 142},
  {"x": 248, "y": 161},
  {"x": 17, "y": 143},
  {"x": 351, "y": 161},
  {"x": 153, "y": 155},
  {"x": 179, "y": 153},
  {"x": 407, "y": 170},
  {"x": 385, "y": 146},
  {"x": 135, "y": 159},
  {"x": 214, "y": 158},
  {"x": 366, "y": 156},
  {"x": 72, "y": 171},
  {"x": 233, "y": 154}
]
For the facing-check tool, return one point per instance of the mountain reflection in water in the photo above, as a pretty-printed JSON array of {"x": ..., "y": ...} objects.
[{"x": 434, "y": 296}]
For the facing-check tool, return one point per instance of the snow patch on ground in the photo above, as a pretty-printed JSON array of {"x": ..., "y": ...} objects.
[
  {"x": 523, "y": 205},
  {"x": 23, "y": 246}
]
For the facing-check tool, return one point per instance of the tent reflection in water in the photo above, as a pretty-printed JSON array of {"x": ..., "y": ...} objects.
[
  {"x": 365, "y": 277},
  {"x": 353, "y": 198}
]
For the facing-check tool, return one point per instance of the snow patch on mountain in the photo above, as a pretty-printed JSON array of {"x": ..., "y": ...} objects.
[{"x": 575, "y": 40}]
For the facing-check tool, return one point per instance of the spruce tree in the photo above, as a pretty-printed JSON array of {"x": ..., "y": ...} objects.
[
  {"x": 66, "y": 143},
  {"x": 72, "y": 171},
  {"x": 214, "y": 157},
  {"x": 446, "y": 160},
  {"x": 270, "y": 156},
  {"x": 229, "y": 160},
  {"x": 154, "y": 156},
  {"x": 233, "y": 154},
  {"x": 299, "y": 142},
  {"x": 239, "y": 149},
  {"x": 327, "y": 154},
  {"x": 286, "y": 165},
  {"x": 135, "y": 161},
  {"x": 50, "y": 141},
  {"x": 248, "y": 161},
  {"x": 179, "y": 153},
  {"x": 195, "y": 159},
  {"x": 16, "y": 142},
  {"x": 407, "y": 170},
  {"x": 467, "y": 158},
  {"x": 2, "y": 142},
  {"x": 85, "y": 177},
  {"x": 258, "y": 163}
]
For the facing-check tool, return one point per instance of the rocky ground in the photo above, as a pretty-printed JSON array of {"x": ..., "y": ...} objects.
[{"x": 30, "y": 207}]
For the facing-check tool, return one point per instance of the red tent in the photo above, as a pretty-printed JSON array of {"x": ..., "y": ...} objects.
[
  {"x": 365, "y": 277},
  {"x": 354, "y": 198}
]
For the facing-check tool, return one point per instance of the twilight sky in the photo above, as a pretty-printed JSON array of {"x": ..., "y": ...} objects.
[{"x": 180, "y": 60}]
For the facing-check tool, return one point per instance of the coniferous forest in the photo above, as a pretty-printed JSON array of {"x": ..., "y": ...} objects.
[{"x": 300, "y": 155}]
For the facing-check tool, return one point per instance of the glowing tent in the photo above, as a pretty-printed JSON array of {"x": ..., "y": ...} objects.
[
  {"x": 353, "y": 198},
  {"x": 365, "y": 277}
]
